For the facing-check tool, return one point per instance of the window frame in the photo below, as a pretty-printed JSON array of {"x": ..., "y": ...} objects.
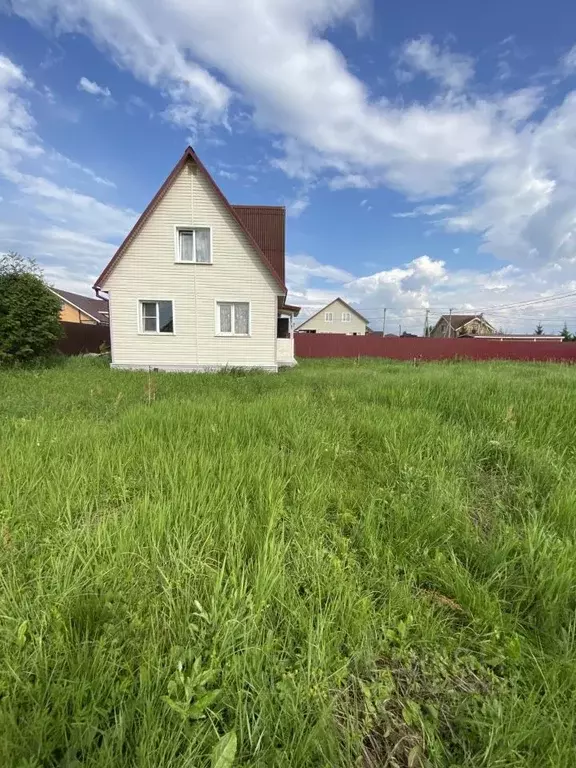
[
  {"x": 232, "y": 334},
  {"x": 328, "y": 319},
  {"x": 178, "y": 228},
  {"x": 141, "y": 331},
  {"x": 346, "y": 317}
]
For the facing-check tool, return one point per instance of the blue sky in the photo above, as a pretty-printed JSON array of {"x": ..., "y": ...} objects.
[{"x": 426, "y": 152}]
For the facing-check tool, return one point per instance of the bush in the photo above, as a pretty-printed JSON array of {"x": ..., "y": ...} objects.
[{"x": 29, "y": 311}]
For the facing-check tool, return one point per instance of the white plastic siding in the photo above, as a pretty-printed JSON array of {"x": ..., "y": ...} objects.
[
  {"x": 285, "y": 351},
  {"x": 147, "y": 270},
  {"x": 319, "y": 324}
]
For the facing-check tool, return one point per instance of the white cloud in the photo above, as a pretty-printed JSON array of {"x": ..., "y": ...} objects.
[
  {"x": 422, "y": 55},
  {"x": 17, "y": 127},
  {"x": 93, "y": 88},
  {"x": 296, "y": 207},
  {"x": 143, "y": 39},
  {"x": 350, "y": 181},
  {"x": 297, "y": 84},
  {"x": 524, "y": 207},
  {"x": 426, "y": 283},
  {"x": 300, "y": 269},
  {"x": 509, "y": 157},
  {"x": 425, "y": 210},
  {"x": 568, "y": 61},
  {"x": 59, "y": 158},
  {"x": 65, "y": 229}
]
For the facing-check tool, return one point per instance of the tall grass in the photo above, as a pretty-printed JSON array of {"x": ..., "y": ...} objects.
[{"x": 343, "y": 565}]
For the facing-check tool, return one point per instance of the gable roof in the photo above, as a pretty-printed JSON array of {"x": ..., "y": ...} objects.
[
  {"x": 188, "y": 156},
  {"x": 328, "y": 305},
  {"x": 457, "y": 321},
  {"x": 97, "y": 309}
]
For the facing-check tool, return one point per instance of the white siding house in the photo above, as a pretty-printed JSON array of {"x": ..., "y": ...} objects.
[
  {"x": 191, "y": 288},
  {"x": 336, "y": 317}
]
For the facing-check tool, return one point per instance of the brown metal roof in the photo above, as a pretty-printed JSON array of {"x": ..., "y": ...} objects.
[
  {"x": 267, "y": 225},
  {"x": 191, "y": 156}
]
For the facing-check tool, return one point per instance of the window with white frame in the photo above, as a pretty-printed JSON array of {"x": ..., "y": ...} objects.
[
  {"x": 329, "y": 317},
  {"x": 233, "y": 318},
  {"x": 346, "y": 317},
  {"x": 194, "y": 245},
  {"x": 156, "y": 317}
]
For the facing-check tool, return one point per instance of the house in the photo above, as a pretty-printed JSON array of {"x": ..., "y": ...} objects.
[
  {"x": 81, "y": 309},
  {"x": 198, "y": 284},
  {"x": 336, "y": 317},
  {"x": 449, "y": 326}
]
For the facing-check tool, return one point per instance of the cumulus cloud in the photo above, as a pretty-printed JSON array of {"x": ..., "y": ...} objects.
[
  {"x": 524, "y": 207},
  {"x": 423, "y": 56},
  {"x": 276, "y": 58},
  {"x": 426, "y": 283},
  {"x": 507, "y": 158},
  {"x": 89, "y": 86}
]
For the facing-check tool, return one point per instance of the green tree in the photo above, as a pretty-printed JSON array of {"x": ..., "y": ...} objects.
[
  {"x": 29, "y": 311},
  {"x": 539, "y": 330},
  {"x": 565, "y": 333}
]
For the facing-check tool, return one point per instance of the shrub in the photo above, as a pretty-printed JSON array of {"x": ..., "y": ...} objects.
[{"x": 29, "y": 311}]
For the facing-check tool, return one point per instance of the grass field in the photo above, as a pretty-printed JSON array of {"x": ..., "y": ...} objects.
[{"x": 345, "y": 564}]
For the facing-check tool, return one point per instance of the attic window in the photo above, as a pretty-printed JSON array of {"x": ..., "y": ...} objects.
[
  {"x": 346, "y": 317},
  {"x": 194, "y": 246},
  {"x": 328, "y": 317}
]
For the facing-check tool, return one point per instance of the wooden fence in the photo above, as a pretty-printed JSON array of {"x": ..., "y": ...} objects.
[
  {"x": 340, "y": 345},
  {"x": 80, "y": 338}
]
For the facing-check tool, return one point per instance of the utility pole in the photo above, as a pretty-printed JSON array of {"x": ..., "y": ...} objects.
[
  {"x": 384, "y": 323},
  {"x": 450, "y": 324},
  {"x": 426, "y": 323},
  {"x": 399, "y": 329}
]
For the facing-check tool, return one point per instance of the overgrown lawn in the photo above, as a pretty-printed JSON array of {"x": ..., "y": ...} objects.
[{"x": 345, "y": 564}]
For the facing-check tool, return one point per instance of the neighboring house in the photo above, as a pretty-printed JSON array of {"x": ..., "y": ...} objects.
[
  {"x": 198, "y": 284},
  {"x": 449, "y": 326},
  {"x": 81, "y": 309},
  {"x": 336, "y": 317}
]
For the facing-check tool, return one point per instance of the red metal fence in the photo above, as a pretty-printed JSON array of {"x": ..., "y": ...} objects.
[
  {"x": 340, "y": 345},
  {"x": 80, "y": 338}
]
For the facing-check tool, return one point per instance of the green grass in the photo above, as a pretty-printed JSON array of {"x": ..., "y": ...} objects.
[{"x": 346, "y": 564}]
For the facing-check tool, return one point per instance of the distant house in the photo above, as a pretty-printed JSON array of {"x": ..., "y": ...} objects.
[
  {"x": 76, "y": 308},
  {"x": 336, "y": 317},
  {"x": 449, "y": 326}
]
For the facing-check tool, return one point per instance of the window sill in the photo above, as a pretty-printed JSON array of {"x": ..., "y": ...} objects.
[{"x": 194, "y": 263}]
